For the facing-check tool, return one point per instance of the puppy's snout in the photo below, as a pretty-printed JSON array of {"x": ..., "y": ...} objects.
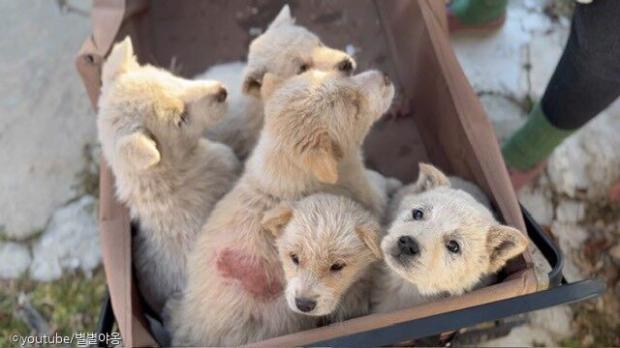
[
  {"x": 386, "y": 79},
  {"x": 221, "y": 94},
  {"x": 305, "y": 304},
  {"x": 345, "y": 66},
  {"x": 408, "y": 246}
]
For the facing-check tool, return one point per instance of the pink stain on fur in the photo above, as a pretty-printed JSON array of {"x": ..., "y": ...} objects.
[{"x": 250, "y": 271}]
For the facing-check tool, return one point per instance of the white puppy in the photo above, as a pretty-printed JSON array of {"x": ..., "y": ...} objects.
[
  {"x": 284, "y": 49},
  {"x": 150, "y": 126},
  {"x": 326, "y": 244},
  {"x": 441, "y": 242},
  {"x": 315, "y": 124}
]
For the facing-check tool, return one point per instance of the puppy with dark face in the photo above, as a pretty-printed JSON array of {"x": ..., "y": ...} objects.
[
  {"x": 441, "y": 241},
  {"x": 326, "y": 245}
]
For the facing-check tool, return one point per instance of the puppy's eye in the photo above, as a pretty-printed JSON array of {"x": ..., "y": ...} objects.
[
  {"x": 303, "y": 68},
  {"x": 417, "y": 214},
  {"x": 453, "y": 246},
  {"x": 295, "y": 259},
  {"x": 336, "y": 267},
  {"x": 183, "y": 119}
]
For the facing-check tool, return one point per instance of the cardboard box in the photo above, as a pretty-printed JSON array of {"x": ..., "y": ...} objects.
[{"x": 436, "y": 118}]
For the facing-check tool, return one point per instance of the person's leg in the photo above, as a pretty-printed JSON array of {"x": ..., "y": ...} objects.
[
  {"x": 585, "y": 82},
  {"x": 476, "y": 14}
]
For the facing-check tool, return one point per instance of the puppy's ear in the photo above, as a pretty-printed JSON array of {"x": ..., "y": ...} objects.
[
  {"x": 120, "y": 61},
  {"x": 429, "y": 178},
  {"x": 370, "y": 234},
  {"x": 504, "y": 243},
  {"x": 320, "y": 154},
  {"x": 283, "y": 18},
  {"x": 138, "y": 151},
  {"x": 252, "y": 81},
  {"x": 277, "y": 218},
  {"x": 271, "y": 82}
]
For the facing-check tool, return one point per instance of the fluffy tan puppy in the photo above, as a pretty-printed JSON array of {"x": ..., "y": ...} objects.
[
  {"x": 150, "y": 125},
  {"x": 327, "y": 244},
  {"x": 441, "y": 242},
  {"x": 315, "y": 124},
  {"x": 284, "y": 49}
]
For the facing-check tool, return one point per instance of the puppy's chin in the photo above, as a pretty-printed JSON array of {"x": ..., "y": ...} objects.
[
  {"x": 321, "y": 309},
  {"x": 388, "y": 96},
  {"x": 402, "y": 267}
]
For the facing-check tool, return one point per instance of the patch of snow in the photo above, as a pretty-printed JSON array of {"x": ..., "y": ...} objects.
[
  {"x": 14, "y": 260},
  {"x": 70, "y": 242},
  {"x": 538, "y": 204},
  {"x": 587, "y": 162},
  {"x": 505, "y": 115},
  {"x": 571, "y": 238},
  {"x": 544, "y": 52},
  {"x": 571, "y": 211},
  {"x": 46, "y": 116},
  {"x": 522, "y": 336},
  {"x": 555, "y": 320}
]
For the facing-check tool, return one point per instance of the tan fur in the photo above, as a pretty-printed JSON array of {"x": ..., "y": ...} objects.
[
  {"x": 218, "y": 307},
  {"x": 449, "y": 214},
  {"x": 323, "y": 230},
  {"x": 283, "y": 49},
  {"x": 150, "y": 124}
]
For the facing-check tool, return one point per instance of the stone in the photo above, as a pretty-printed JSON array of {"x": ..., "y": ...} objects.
[
  {"x": 46, "y": 116},
  {"x": 69, "y": 243},
  {"x": 14, "y": 260}
]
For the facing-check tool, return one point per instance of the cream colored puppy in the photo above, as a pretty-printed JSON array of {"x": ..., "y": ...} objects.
[
  {"x": 284, "y": 49},
  {"x": 315, "y": 124},
  {"x": 326, "y": 244},
  {"x": 150, "y": 126},
  {"x": 441, "y": 242}
]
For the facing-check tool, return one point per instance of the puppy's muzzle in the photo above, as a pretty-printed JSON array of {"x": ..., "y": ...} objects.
[
  {"x": 346, "y": 66},
  {"x": 305, "y": 304},
  {"x": 221, "y": 95},
  {"x": 408, "y": 246}
]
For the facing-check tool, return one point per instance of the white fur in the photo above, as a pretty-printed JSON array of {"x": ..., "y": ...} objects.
[
  {"x": 150, "y": 124},
  {"x": 449, "y": 216},
  {"x": 315, "y": 124},
  {"x": 323, "y": 230},
  {"x": 282, "y": 49}
]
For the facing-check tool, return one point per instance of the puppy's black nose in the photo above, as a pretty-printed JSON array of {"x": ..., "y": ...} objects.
[
  {"x": 221, "y": 95},
  {"x": 408, "y": 246},
  {"x": 305, "y": 304},
  {"x": 346, "y": 66}
]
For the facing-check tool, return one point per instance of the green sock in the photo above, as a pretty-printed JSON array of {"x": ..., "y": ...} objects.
[
  {"x": 533, "y": 142},
  {"x": 475, "y": 12}
]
